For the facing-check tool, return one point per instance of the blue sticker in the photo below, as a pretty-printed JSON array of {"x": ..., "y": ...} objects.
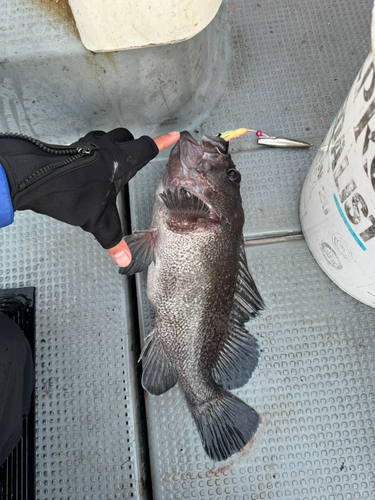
[
  {"x": 347, "y": 223},
  {"x": 6, "y": 209}
]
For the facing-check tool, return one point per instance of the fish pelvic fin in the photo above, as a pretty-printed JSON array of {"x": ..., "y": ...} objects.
[
  {"x": 238, "y": 355},
  {"x": 159, "y": 374},
  {"x": 183, "y": 202},
  {"x": 225, "y": 425},
  {"x": 141, "y": 245}
]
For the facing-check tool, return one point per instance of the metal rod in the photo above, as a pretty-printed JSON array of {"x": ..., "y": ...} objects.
[{"x": 273, "y": 239}]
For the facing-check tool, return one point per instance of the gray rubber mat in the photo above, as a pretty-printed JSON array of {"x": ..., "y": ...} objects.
[
  {"x": 87, "y": 411},
  {"x": 314, "y": 389},
  {"x": 293, "y": 63}
]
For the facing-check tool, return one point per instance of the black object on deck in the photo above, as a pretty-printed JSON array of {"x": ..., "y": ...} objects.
[{"x": 17, "y": 474}]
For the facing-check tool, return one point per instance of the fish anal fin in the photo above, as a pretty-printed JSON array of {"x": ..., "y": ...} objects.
[
  {"x": 238, "y": 355},
  {"x": 159, "y": 374},
  {"x": 237, "y": 359},
  {"x": 225, "y": 425},
  {"x": 141, "y": 245},
  {"x": 183, "y": 202}
]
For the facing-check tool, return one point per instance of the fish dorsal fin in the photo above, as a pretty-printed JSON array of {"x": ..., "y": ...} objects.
[
  {"x": 141, "y": 245},
  {"x": 159, "y": 374},
  {"x": 181, "y": 201},
  {"x": 239, "y": 353}
]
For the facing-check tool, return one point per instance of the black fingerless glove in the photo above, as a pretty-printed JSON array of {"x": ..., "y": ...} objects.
[{"x": 76, "y": 184}]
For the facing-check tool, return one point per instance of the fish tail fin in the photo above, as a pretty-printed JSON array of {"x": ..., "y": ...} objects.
[{"x": 225, "y": 424}]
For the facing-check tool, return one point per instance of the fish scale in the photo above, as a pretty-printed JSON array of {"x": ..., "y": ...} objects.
[
  {"x": 201, "y": 292},
  {"x": 198, "y": 326}
]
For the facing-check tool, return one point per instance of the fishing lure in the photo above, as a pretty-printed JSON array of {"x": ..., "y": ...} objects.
[{"x": 264, "y": 139}]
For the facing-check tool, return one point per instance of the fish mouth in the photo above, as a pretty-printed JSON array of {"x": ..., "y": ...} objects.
[
  {"x": 183, "y": 161},
  {"x": 184, "y": 157}
]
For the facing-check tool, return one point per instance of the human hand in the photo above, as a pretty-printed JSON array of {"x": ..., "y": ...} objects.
[{"x": 78, "y": 184}]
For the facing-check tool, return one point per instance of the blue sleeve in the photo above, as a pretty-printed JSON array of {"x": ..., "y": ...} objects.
[{"x": 6, "y": 208}]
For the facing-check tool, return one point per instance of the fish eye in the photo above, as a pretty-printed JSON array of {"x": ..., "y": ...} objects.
[{"x": 233, "y": 174}]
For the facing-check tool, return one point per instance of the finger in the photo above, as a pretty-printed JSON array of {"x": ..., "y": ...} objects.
[
  {"x": 120, "y": 253},
  {"x": 131, "y": 157},
  {"x": 119, "y": 135},
  {"x": 166, "y": 140},
  {"x": 91, "y": 136}
]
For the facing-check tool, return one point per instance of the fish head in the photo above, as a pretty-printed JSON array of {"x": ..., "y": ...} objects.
[{"x": 206, "y": 170}]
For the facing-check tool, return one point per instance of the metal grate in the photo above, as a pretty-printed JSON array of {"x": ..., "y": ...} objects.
[{"x": 17, "y": 475}]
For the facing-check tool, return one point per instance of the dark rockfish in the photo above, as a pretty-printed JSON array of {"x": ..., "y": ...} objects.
[{"x": 201, "y": 291}]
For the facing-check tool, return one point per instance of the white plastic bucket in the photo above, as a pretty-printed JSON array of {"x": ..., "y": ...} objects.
[
  {"x": 109, "y": 25},
  {"x": 337, "y": 207}
]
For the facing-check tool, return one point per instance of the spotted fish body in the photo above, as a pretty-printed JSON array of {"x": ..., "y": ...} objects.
[{"x": 201, "y": 291}]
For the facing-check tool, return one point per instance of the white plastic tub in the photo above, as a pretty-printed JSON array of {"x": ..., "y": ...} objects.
[
  {"x": 108, "y": 25},
  {"x": 337, "y": 207}
]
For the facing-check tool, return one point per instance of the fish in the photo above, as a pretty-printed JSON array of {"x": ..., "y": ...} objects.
[{"x": 201, "y": 291}]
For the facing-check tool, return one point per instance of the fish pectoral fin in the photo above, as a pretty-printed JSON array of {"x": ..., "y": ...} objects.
[
  {"x": 141, "y": 245},
  {"x": 238, "y": 354},
  {"x": 159, "y": 374},
  {"x": 225, "y": 425},
  {"x": 181, "y": 201}
]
